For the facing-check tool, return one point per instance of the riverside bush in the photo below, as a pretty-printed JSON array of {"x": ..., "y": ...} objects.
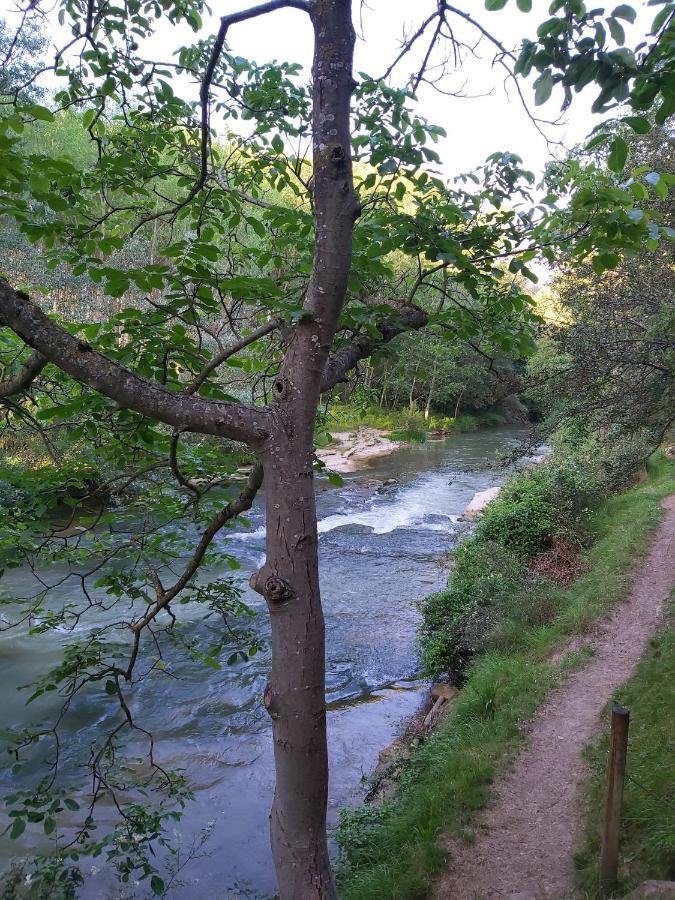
[
  {"x": 455, "y": 621},
  {"x": 492, "y": 592}
]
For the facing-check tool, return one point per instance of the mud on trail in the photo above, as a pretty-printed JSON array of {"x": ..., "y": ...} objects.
[{"x": 525, "y": 842}]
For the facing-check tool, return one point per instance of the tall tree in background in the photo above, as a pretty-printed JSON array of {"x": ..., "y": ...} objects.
[
  {"x": 311, "y": 294},
  {"x": 606, "y": 358}
]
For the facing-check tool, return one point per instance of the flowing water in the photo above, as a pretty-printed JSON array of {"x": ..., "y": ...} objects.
[{"x": 382, "y": 547}]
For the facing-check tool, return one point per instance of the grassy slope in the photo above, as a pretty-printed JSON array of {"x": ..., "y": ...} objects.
[
  {"x": 648, "y": 824},
  {"x": 394, "y": 851},
  {"x": 343, "y": 417}
]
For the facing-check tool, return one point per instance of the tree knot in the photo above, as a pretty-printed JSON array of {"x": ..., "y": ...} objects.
[
  {"x": 281, "y": 388},
  {"x": 278, "y": 590}
]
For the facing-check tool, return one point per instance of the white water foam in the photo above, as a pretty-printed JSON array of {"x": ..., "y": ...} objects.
[{"x": 411, "y": 506}]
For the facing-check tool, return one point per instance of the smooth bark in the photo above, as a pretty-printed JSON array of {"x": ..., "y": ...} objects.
[{"x": 289, "y": 580}]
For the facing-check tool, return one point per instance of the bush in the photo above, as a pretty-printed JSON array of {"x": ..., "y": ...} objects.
[
  {"x": 413, "y": 428},
  {"x": 522, "y": 518},
  {"x": 493, "y": 592},
  {"x": 467, "y": 617}
]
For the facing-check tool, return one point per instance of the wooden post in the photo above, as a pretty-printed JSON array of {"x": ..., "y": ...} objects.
[{"x": 618, "y": 748}]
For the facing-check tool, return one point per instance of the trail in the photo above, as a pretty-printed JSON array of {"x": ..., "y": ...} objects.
[{"x": 525, "y": 842}]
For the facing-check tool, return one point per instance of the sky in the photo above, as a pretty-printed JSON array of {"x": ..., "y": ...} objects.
[
  {"x": 476, "y": 126},
  {"x": 491, "y": 118}
]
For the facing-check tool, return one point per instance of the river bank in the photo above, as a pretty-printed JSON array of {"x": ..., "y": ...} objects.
[
  {"x": 358, "y": 437},
  {"x": 397, "y": 848},
  {"x": 352, "y": 450}
]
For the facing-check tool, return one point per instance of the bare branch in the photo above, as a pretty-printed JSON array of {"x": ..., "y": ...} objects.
[
  {"x": 217, "y": 49},
  {"x": 23, "y": 379},
  {"x": 224, "y": 355},
  {"x": 233, "y": 509}
]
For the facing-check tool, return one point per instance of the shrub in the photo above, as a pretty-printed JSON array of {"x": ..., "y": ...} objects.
[
  {"x": 522, "y": 518},
  {"x": 494, "y": 591},
  {"x": 413, "y": 428},
  {"x": 457, "y": 622}
]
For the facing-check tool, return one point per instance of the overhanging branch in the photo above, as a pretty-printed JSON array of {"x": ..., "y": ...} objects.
[
  {"x": 234, "y": 508},
  {"x": 128, "y": 389},
  {"x": 410, "y": 318}
]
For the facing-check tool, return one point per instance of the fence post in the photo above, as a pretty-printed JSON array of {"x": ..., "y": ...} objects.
[{"x": 618, "y": 748}]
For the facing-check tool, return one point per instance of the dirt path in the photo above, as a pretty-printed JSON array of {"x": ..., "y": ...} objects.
[{"x": 525, "y": 843}]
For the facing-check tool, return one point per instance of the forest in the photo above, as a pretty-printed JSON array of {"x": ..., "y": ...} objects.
[{"x": 261, "y": 349}]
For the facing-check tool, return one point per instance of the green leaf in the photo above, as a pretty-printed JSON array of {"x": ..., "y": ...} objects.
[
  {"x": 638, "y": 123},
  {"x": 618, "y": 155},
  {"x": 597, "y": 141},
  {"x": 49, "y": 825},
  {"x": 18, "y": 828},
  {"x": 524, "y": 5},
  {"x": 625, "y": 12},
  {"x": 277, "y": 144},
  {"x": 336, "y": 479},
  {"x": 257, "y": 226},
  {"x": 610, "y": 260},
  {"x": 110, "y": 687},
  {"x": 40, "y": 112},
  {"x": 542, "y": 88},
  {"x": 493, "y": 5},
  {"x": 598, "y": 266},
  {"x": 616, "y": 30},
  {"x": 157, "y": 885}
]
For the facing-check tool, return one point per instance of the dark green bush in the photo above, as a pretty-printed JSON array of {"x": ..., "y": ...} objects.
[
  {"x": 522, "y": 518},
  {"x": 492, "y": 594},
  {"x": 457, "y": 622}
]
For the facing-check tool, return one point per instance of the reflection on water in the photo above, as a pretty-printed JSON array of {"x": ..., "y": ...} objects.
[{"x": 380, "y": 549}]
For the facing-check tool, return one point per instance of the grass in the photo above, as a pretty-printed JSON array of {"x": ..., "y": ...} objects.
[
  {"x": 396, "y": 849},
  {"x": 648, "y": 823},
  {"x": 405, "y": 424}
]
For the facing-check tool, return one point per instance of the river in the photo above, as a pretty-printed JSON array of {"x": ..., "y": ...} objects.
[{"x": 381, "y": 549}]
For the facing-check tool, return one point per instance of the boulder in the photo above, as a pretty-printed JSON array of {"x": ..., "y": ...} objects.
[
  {"x": 479, "y": 502},
  {"x": 514, "y": 410},
  {"x": 658, "y": 890}
]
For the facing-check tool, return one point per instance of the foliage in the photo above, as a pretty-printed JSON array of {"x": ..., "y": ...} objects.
[
  {"x": 492, "y": 592},
  {"x": 605, "y": 358},
  {"x": 166, "y": 240},
  {"x": 360, "y": 411},
  {"x": 21, "y": 55},
  {"x": 394, "y": 850},
  {"x": 647, "y": 843}
]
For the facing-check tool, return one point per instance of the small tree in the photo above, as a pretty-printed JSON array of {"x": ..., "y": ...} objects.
[{"x": 253, "y": 232}]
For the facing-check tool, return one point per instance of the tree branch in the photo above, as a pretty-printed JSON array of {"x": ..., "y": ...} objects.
[
  {"x": 224, "y": 355},
  {"x": 216, "y": 50},
  {"x": 24, "y": 378},
  {"x": 411, "y": 318},
  {"x": 233, "y": 509},
  {"x": 128, "y": 389}
]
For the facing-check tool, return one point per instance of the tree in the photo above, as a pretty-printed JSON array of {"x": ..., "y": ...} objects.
[
  {"x": 312, "y": 295},
  {"x": 606, "y": 359}
]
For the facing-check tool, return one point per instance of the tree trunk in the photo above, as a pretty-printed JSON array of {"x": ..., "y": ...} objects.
[
  {"x": 427, "y": 408},
  {"x": 295, "y": 695},
  {"x": 289, "y": 580},
  {"x": 458, "y": 404}
]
